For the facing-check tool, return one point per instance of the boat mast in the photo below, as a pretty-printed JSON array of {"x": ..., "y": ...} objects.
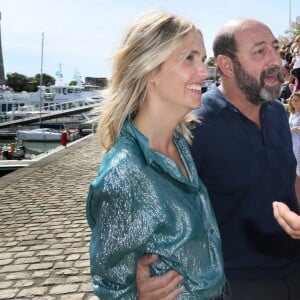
[{"x": 41, "y": 77}]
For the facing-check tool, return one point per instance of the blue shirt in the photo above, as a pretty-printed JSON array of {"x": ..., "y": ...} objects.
[
  {"x": 141, "y": 203},
  {"x": 245, "y": 169}
]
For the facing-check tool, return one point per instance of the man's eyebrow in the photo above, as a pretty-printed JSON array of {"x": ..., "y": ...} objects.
[{"x": 275, "y": 42}]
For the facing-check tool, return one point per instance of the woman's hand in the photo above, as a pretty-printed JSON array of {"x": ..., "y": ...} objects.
[{"x": 295, "y": 129}]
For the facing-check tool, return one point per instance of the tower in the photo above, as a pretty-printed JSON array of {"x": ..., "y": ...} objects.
[{"x": 2, "y": 77}]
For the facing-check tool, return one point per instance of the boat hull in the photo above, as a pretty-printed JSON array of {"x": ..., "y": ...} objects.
[{"x": 40, "y": 135}]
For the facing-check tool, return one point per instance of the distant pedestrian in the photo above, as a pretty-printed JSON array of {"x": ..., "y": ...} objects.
[{"x": 294, "y": 121}]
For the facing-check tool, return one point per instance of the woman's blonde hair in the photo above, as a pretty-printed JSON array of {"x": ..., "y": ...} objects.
[
  {"x": 291, "y": 108},
  {"x": 148, "y": 42},
  {"x": 296, "y": 38}
]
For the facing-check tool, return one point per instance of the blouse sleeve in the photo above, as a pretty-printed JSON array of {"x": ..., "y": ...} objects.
[{"x": 122, "y": 216}]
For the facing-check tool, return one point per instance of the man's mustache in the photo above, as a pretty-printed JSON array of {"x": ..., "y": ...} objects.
[{"x": 272, "y": 71}]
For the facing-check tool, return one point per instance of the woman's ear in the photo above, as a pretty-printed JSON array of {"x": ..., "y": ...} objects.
[
  {"x": 151, "y": 77},
  {"x": 225, "y": 64}
]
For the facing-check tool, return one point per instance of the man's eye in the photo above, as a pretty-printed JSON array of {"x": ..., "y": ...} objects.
[{"x": 258, "y": 52}]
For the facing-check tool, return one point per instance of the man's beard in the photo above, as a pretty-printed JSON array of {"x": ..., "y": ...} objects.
[{"x": 257, "y": 92}]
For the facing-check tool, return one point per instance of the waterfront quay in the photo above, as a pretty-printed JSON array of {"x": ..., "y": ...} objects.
[{"x": 44, "y": 236}]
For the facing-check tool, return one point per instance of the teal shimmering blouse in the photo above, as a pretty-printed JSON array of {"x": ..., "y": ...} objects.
[{"x": 141, "y": 203}]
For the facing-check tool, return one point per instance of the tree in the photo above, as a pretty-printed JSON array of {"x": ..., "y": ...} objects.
[
  {"x": 211, "y": 62},
  {"x": 17, "y": 81},
  {"x": 46, "y": 79},
  {"x": 290, "y": 33}
]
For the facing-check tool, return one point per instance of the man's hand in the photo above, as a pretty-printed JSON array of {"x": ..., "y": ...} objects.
[
  {"x": 162, "y": 287},
  {"x": 287, "y": 219}
]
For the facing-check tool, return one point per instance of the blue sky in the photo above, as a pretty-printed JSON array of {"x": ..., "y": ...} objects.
[{"x": 82, "y": 35}]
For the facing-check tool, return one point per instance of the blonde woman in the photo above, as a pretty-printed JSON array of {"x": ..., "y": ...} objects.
[
  {"x": 294, "y": 122},
  {"x": 148, "y": 197}
]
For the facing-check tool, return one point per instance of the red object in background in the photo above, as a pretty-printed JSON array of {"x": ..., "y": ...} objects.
[{"x": 64, "y": 138}]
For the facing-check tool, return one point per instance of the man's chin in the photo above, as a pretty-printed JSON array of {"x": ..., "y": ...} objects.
[{"x": 270, "y": 93}]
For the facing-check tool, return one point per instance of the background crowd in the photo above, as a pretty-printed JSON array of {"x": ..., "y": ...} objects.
[{"x": 290, "y": 58}]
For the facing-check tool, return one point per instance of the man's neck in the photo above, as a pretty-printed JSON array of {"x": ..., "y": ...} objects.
[{"x": 238, "y": 99}]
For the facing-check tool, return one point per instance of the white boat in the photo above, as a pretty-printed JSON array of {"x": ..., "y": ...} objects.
[
  {"x": 39, "y": 134},
  {"x": 52, "y": 98}
]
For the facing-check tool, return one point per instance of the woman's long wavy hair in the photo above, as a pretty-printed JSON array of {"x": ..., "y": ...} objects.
[{"x": 149, "y": 41}]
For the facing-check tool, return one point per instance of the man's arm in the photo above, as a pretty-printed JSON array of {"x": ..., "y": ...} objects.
[
  {"x": 287, "y": 219},
  {"x": 159, "y": 287}
]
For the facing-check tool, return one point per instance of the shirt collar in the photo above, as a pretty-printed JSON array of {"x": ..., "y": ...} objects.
[
  {"x": 160, "y": 161},
  {"x": 220, "y": 101}
]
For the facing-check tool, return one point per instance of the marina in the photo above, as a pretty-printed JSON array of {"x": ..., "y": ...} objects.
[{"x": 27, "y": 138}]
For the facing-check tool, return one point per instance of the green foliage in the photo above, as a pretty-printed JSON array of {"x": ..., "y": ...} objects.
[
  {"x": 46, "y": 79},
  {"x": 19, "y": 82},
  {"x": 211, "y": 62},
  {"x": 290, "y": 34}
]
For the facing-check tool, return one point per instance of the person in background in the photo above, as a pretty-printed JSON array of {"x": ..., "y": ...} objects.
[
  {"x": 282, "y": 55},
  {"x": 288, "y": 83},
  {"x": 294, "y": 122},
  {"x": 243, "y": 152},
  {"x": 296, "y": 62},
  {"x": 148, "y": 197},
  {"x": 288, "y": 54},
  {"x": 288, "y": 219}
]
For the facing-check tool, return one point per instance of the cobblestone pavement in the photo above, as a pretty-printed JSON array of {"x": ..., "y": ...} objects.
[{"x": 44, "y": 235}]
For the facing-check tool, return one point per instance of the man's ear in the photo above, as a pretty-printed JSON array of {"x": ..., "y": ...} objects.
[{"x": 225, "y": 64}]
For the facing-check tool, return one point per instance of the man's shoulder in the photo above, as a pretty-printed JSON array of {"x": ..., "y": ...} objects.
[
  {"x": 275, "y": 106},
  {"x": 211, "y": 103}
]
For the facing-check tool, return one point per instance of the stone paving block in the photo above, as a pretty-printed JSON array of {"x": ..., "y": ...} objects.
[
  {"x": 4, "y": 262},
  {"x": 54, "y": 258},
  {"x": 53, "y": 281},
  {"x": 23, "y": 283},
  {"x": 79, "y": 278},
  {"x": 17, "y": 275},
  {"x": 24, "y": 253},
  {"x": 73, "y": 297},
  {"x": 82, "y": 263},
  {"x": 8, "y": 293},
  {"x": 6, "y": 284},
  {"x": 32, "y": 292},
  {"x": 73, "y": 257},
  {"x": 64, "y": 289},
  {"x": 41, "y": 266},
  {"x": 27, "y": 260},
  {"x": 41, "y": 274},
  {"x": 13, "y": 268}
]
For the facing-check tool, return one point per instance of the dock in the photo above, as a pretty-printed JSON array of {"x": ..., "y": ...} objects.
[{"x": 44, "y": 248}]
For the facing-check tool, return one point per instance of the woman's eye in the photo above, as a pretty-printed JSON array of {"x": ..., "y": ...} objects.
[{"x": 190, "y": 57}]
